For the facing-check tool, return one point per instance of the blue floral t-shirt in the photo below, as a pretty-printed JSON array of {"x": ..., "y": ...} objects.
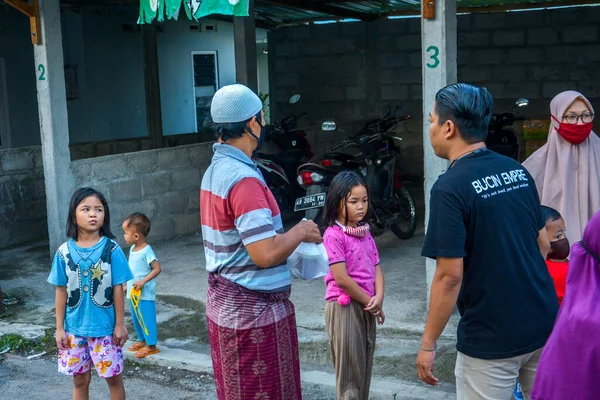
[{"x": 89, "y": 275}]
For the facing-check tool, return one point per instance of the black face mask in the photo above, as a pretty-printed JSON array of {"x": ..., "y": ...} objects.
[
  {"x": 259, "y": 139},
  {"x": 560, "y": 249}
]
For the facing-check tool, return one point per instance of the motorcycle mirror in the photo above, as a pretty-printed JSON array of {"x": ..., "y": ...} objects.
[
  {"x": 328, "y": 126},
  {"x": 294, "y": 99},
  {"x": 522, "y": 102}
]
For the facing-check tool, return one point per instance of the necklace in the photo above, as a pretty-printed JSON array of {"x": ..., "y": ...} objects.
[{"x": 466, "y": 154}]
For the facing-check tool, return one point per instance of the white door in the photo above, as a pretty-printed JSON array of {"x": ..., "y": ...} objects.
[{"x": 4, "y": 120}]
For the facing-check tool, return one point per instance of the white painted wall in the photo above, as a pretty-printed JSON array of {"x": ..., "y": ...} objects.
[{"x": 175, "y": 47}]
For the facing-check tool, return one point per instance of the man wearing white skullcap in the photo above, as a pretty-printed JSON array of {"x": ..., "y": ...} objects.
[{"x": 251, "y": 320}]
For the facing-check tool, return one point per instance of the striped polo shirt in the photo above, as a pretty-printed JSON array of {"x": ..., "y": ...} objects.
[{"x": 237, "y": 209}]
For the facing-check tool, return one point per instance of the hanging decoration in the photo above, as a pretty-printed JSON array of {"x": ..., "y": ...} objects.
[{"x": 194, "y": 9}]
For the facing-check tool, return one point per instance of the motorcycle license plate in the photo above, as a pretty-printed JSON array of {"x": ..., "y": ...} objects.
[{"x": 308, "y": 202}]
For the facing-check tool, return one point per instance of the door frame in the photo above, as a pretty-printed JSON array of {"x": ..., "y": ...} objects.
[
  {"x": 217, "y": 83},
  {"x": 5, "y": 142}
]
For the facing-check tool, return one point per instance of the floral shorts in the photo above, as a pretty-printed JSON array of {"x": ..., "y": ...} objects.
[{"x": 83, "y": 353}]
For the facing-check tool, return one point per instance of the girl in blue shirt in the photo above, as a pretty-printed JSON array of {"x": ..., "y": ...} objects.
[{"x": 88, "y": 272}]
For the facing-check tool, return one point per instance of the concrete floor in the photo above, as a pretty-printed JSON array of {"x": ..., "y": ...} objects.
[{"x": 182, "y": 290}]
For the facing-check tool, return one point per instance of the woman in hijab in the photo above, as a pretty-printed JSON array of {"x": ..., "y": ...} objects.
[
  {"x": 566, "y": 170},
  {"x": 570, "y": 364}
]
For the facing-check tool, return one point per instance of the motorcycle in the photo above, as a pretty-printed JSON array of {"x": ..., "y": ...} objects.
[
  {"x": 292, "y": 149},
  {"x": 501, "y": 137},
  {"x": 392, "y": 205}
]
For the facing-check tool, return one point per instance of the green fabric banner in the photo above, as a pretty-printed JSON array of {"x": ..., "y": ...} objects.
[
  {"x": 238, "y": 8},
  {"x": 194, "y": 9},
  {"x": 172, "y": 8},
  {"x": 191, "y": 8},
  {"x": 150, "y": 9}
]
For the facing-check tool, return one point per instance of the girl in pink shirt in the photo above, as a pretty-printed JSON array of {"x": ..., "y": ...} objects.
[{"x": 354, "y": 285}]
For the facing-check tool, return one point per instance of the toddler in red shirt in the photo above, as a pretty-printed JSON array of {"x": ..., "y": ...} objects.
[{"x": 558, "y": 256}]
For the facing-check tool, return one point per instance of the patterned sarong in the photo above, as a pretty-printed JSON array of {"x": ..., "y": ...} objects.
[{"x": 254, "y": 343}]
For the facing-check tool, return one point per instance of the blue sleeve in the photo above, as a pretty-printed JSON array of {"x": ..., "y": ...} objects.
[
  {"x": 150, "y": 256},
  {"x": 58, "y": 272},
  {"x": 121, "y": 272}
]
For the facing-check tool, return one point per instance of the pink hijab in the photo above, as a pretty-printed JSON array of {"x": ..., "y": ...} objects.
[{"x": 567, "y": 175}]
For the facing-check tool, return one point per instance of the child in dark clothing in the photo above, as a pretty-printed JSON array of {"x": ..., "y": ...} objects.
[{"x": 557, "y": 260}]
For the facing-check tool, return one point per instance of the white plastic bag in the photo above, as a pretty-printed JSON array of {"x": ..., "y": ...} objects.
[{"x": 309, "y": 261}]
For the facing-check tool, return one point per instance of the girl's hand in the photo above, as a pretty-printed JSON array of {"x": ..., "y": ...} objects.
[
  {"x": 120, "y": 334},
  {"x": 374, "y": 306},
  {"x": 380, "y": 318},
  {"x": 139, "y": 285},
  {"x": 61, "y": 339}
]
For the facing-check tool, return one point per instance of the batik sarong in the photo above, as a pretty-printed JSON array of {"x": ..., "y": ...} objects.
[{"x": 254, "y": 343}]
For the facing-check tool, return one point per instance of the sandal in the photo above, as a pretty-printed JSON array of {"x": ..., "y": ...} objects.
[
  {"x": 136, "y": 346},
  {"x": 146, "y": 351}
]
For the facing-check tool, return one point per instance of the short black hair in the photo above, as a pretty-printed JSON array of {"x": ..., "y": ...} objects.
[
  {"x": 79, "y": 196},
  {"x": 550, "y": 214},
  {"x": 469, "y": 107},
  {"x": 140, "y": 222},
  {"x": 233, "y": 130},
  {"x": 339, "y": 190}
]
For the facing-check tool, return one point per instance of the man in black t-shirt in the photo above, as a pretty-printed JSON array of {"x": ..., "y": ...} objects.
[{"x": 488, "y": 236}]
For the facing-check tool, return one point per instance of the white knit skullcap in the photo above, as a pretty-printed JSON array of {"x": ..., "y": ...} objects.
[{"x": 234, "y": 103}]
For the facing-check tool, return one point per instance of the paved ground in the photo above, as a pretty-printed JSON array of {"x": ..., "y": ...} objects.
[
  {"x": 38, "y": 379},
  {"x": 182, "y": 332}
]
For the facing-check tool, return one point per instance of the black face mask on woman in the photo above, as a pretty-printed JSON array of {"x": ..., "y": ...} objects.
[{"x": 560, "y": 250}]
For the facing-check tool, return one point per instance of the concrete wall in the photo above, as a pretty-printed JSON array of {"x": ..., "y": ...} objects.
[
  {"x": 22, "y": 196},
  {"x": 349, "y": 72},
  {"x": 163, "y": 184}
]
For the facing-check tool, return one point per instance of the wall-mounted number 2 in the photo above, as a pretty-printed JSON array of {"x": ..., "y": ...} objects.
[
  {"x": 42, "y": 71},
  {"x": 435, "y": 61}
]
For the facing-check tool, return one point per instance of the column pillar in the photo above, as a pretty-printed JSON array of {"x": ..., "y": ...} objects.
[
  {"x": 244, "y": 37},
  {"x": 152, "y": 85},
  {"x": 54, "y": 125},
  {"x": 438, "y": 46}
]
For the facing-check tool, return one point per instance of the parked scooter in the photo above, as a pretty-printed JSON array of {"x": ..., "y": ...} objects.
[
  {"x": 292, "y": 149},
  {"x": 501, "y": 136},
  {"x": 392, "y": 205}
]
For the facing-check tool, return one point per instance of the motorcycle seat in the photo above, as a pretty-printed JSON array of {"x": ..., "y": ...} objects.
[
  {"x": 338, "y": 156},
  {"x": 272, "y": 157}
]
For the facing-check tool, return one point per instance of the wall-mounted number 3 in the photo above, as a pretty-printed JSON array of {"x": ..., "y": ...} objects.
[
  {"x": 42, "y": 71},
  {"x": 435, "y": 61}
]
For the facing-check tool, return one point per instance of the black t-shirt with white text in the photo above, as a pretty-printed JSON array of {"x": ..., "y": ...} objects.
[{"x": 486, "y": 210}]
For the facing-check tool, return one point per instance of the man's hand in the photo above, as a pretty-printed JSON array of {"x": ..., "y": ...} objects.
[
  {"x": 425, "y": 361},
  {"x": 139, "y": 285},
  {"x": 375, "y": 305},
  {"x": 120, "y": 334},
  {"x": 310, "y": 232},
  {"x": 61, "y": 339}
]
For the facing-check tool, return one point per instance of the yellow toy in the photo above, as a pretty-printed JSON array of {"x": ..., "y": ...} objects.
[{"x": 136, "y": 294}]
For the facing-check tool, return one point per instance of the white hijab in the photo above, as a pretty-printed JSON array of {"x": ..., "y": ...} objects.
[{"x": 566, "y": 175}]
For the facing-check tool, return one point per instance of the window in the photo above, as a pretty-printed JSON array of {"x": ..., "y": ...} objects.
[{"x": 206, "y": 83}]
